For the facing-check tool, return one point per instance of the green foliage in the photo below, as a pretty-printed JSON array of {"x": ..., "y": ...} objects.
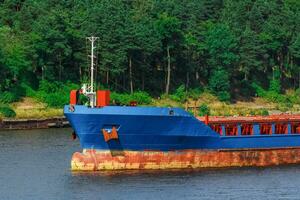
[
  {"x": 220, "y": 45},
  {"x": 195, "y": 93},
  {"x": 273, "y": 94},
  {"x": 275, "y": 86},
  {"x": 293, "y": 96},
  {"x": 203, "y": 110},
  {"x": 6, "y": 111},
  {"x": 249, "y": 51},
  {"x": 13, "y": 95},
  {"x": 56, "y": 100},
  {"x": 246, "y": 89},
  {"x": 179, "y": 95},
  {"x": 259, "y": 90},
  {"x": 223, "y": 96},
  {"x": 13, "y": 58},
  {"x": 264, "y": 112},
  {"x": 29, "y": 92},
  {"x": 140, "y": 97},
  {"x": 8, "y": 97},
  {"x": 168, "y": 28},
  {"x": 270, "y": 95},
  {"x": 55, "y": 94},
  {"x": 219, "y": 84}
]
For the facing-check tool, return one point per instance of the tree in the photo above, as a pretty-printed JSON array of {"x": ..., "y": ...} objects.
[
  {"x": 249, "y": 52},
  {"x": 13, "y": 59},
  {"x": 221, "y": 46},
  {"x": 219, "y": 84},
  {"x": 169, "y": 31}
]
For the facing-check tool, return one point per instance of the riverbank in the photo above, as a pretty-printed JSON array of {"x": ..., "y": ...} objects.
[
  {"x": 31, "y": 113},
  {"x": 19, "y": 124},
  {"x": 248, "y": 107},
  {"x": 31, "y": 108}
]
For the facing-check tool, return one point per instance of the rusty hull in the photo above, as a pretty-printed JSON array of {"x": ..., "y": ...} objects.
[{"x": 92, "y": 160}]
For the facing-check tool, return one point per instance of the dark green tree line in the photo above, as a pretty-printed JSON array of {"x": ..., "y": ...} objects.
[{"x": 152, "y": 45}]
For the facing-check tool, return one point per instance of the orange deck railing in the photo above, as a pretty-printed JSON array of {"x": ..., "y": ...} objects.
[{"x": 265, "y": 125}]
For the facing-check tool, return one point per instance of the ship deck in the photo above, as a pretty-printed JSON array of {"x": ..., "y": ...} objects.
[{"x": 254, "y": 125}]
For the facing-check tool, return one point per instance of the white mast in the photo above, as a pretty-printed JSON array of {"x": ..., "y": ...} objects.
[
  {"x": 91, "y": 93},
  {"x": 92, "y": 39}
]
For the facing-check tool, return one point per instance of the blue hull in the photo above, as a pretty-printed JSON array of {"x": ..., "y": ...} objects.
[{"x": 164, "y": 129}]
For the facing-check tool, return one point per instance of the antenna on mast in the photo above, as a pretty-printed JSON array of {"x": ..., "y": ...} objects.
[
  {"x": 89, "y": 91},
  {"x": 92, "y": 40},
  {"x": 100, "y": 98}
]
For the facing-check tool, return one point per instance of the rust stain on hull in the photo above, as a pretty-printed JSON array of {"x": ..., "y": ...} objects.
[{"x": 92, "y": 160}]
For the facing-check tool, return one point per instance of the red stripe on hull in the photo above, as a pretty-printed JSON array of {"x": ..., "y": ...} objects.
[{"x": 91, "y": 160}]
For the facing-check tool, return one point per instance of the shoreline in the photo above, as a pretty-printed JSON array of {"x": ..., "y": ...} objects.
[
  {"x": 22, "y": 124},
  {"x": 62, "y": 122}
]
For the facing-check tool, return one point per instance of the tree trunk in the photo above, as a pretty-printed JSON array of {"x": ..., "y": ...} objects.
[
  {"x": 60, "y": 67},
  {"x": 143, "y": 81},
  {"x": 299, "y": 78},
  {"x": 246, "y": 76},
  {"x": 80, "y": 73},
  {"x": 43, "y": 68},
  {"x": 168, "y": 70},
  {"x": 187, "y": 81},
  {"x": 130, "y": 75},
  {"x": 107, "y": 77},
  {"x": 124, "y": 82}
]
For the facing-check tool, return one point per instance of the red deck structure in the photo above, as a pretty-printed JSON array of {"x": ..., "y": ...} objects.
[{"x": 277, "y": 124}]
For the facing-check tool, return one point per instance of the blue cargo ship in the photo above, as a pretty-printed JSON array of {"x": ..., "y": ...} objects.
[
  {"x": 133, "y": 137},
  {"x": 165, "y": 129},
  {"x": 143, "y": 134}
]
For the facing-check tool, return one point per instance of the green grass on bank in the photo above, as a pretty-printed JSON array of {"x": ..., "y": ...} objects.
[
  {"x": 29, "y": 107},
  {"x": 255, "y": 106},
  {"x": 48, "y": 100}
]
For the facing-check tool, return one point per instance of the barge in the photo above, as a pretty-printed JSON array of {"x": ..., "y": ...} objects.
[{"x": 134, "y": 137}]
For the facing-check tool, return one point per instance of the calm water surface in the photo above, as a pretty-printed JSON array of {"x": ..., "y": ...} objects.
[{"x": 35, "y": 164}]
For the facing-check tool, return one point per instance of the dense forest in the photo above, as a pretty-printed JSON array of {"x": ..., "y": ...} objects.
[{"x": 230, "y": 48}]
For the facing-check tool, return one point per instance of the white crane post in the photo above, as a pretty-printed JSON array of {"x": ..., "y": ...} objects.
[{"x": 93, "y": 96}]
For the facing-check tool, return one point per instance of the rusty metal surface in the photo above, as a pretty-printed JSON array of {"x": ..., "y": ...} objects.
[{"x": 91, "y": 160}]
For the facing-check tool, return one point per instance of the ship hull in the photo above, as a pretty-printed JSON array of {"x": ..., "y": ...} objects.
[
  {"x": 92, "y": 160},
  {"x": 169, "y": 138}
]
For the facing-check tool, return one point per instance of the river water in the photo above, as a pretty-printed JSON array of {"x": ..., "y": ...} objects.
[{"x": 35, "y": 164}]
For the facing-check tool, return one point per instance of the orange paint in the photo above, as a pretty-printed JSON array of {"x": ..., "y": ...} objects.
[
  {"x": 231, "y": 129},
  {"x": 217, "y": 128},
  {"x": 103, "y": 98},
  {"x": 253, "y": 119},
  {"x": 247, "y": 129},
  {"x": 206, "y": 119},
  {"x": 91, "y": 160},
  {"x": 73, "y": 97},
  {"x": 281, "y": 128},
  {"x": 266, "y": 129},
  {"x": 295, "y": 128},
  {"x": 110, "y": 136}
]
